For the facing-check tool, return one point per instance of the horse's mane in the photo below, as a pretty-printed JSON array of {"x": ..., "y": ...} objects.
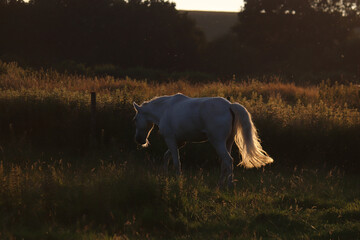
[{"x": 157, "y": 100}]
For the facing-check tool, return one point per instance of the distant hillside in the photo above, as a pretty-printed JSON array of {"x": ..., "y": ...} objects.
[{"x": 214, "y": 24}]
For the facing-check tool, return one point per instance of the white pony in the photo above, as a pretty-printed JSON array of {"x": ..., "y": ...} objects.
[{"x": 183, "y": 119}]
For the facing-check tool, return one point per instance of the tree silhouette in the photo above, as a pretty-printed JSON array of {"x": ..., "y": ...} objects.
[
  {"x": 129, "y": 33},
  {"x": 295, "y": 35},
  {"x": 271, "y": 36}
]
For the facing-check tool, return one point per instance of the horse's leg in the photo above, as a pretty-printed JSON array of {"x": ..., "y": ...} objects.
[
  {"x": 226, "y": 163},
  {"x": 223, "y": 171},
  {"x": 173, "y": 148},
  {"x": 230, "y": 140},
  {"x": 229, "y": 144},
  {"x": 167, "y": 156}
]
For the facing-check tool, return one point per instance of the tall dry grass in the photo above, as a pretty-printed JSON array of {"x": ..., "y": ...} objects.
[
  {"x": 312, "y": 122},
  {"x": 286, "y": 101}
]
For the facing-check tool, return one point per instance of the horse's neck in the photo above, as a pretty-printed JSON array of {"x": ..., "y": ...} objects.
[{"x": 155, "y": 109}]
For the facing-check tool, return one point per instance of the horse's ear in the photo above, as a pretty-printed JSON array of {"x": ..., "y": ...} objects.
[{"x": 136, "y": 107}]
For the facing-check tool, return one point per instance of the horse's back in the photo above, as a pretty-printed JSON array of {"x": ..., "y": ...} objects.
[
  {"x": 199, "y": 107},
  {"x": 194, "y": 102},
  {"x": 194, "y": 119}
]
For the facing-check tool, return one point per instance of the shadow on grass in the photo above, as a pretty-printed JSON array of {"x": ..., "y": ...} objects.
[
  {"x": 334, "y": 217},
  {"x": 273, "y": 224},
  {"x": 307, "y": 203},
  {"x": 350, "y": 232}
]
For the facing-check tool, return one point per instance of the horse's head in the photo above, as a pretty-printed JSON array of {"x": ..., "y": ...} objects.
[{"x": 143, "y": 126}]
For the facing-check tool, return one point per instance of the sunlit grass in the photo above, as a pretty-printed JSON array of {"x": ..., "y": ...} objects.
[{"x": 286, "y": 102}]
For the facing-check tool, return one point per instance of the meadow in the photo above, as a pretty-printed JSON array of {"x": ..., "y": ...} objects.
[
  {"x": 213, "y": 24},
  {"x": 59, "y": 182}
]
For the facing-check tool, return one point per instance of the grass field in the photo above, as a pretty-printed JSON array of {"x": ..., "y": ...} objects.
[
  {"x": 121, "y": 200},
  {"x": 56, "y": 183},
  {"x": 214, "y": 24}
]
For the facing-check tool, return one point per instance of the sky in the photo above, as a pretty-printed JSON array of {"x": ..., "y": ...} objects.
[{"x": 209, "y": 5}]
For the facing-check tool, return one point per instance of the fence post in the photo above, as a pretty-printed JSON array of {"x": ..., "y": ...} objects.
[{"x": 93, "y": 141}]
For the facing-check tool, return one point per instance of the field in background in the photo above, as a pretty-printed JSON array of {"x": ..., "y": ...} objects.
[
  {"x": 214, "y": 24},
  {"x": 56, "y": 183}
]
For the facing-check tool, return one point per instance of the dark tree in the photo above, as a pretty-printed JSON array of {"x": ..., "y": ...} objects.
[
  {"x": 128, "y": 33},
  {"x": 295, "y": 35}
]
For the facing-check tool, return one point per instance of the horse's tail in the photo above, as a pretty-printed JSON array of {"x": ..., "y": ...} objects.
[{"x": 247, "y": 140}]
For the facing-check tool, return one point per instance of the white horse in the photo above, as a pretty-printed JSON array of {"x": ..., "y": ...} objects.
[{"x": 183, "y": 119}]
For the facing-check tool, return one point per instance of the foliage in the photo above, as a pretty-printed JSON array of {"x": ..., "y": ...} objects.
[
  {"x": 281, "y": 36},
  {"x": 289, "y": 37},
  {"x": 149, "y": 34}
]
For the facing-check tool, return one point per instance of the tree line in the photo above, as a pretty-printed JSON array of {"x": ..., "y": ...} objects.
[
  {"x": 271, "y": 36},
  {"x": 298, "y": 36},
  {"x": 129, "y": 33}
]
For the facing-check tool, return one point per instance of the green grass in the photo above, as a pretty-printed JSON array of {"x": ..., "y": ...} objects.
[
  {"x": 54, "y": 184},
  {"x": 131, "y": 199}
]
